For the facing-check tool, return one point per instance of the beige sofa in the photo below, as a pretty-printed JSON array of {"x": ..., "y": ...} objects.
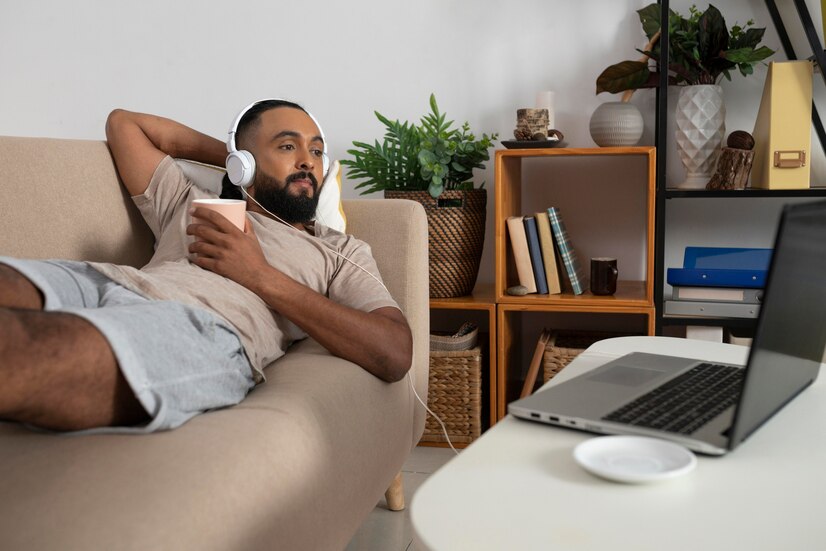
[{"x": 297, "y": 465}]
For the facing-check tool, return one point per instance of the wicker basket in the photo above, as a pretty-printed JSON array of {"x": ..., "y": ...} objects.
[
  {"x": 463, "y": 339},
  {"x": 455, "y": 395},
  {"x": 564, "y": 346},
  {"x": 456, "y": 233}
]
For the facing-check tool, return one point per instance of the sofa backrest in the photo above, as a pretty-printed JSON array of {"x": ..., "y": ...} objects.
[{"x": 62, "y": 199}]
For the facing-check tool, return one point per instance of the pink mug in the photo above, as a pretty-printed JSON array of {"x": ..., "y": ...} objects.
[{"x": 233, "y": 210}]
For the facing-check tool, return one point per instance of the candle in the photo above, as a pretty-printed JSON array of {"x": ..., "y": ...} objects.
[{"x": 545, "y": 100}]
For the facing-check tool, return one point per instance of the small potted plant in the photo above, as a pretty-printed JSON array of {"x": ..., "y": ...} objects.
[
  {"x": 432, "y": 163},
  {"x": 701, "y": 50}
]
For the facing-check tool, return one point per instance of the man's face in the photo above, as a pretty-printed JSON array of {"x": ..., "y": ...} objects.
[{"x": 288, "y": 152}]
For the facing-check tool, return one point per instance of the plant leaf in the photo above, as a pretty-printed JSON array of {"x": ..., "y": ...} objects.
[
  {"x": 748, "y": 55},
  {"x": 650, "y": 19},
  {"x": 712, "y": 36},
  {"x": 748, "y": 39},
  {"x": 626, "y": 75}
]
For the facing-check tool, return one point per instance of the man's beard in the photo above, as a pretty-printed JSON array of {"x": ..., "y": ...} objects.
[{"x": 276, "y": 198}]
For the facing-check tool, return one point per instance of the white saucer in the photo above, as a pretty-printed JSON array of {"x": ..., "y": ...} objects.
[{"x": 634, "y": 459}]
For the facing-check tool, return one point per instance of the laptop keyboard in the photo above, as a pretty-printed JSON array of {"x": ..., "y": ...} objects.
[{"x": 685, "y": 403}]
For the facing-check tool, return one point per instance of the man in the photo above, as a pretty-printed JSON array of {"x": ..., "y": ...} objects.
[{"x": 87, "y": 345}]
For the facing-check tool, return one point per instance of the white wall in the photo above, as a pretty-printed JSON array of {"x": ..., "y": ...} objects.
[{"x": 65, "y": 65}]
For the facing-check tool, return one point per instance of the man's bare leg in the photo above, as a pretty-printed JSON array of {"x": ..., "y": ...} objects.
[
  {"x": 16, "y": 291},
  {"x": 57, "y": 371}
]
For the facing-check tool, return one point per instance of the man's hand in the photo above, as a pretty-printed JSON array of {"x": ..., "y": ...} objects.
[
  {"x": 222, "y": 248},
  {"x": 379, "y": 341}
]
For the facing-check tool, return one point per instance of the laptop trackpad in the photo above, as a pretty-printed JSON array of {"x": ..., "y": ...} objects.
[{"x": 625, "y": 375}]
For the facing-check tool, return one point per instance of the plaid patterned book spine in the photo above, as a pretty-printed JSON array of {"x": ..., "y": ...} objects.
[{"x": 566, "y": 251}]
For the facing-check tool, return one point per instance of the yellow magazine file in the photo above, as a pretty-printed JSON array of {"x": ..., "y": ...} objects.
[{"x": 782, "y": 133}]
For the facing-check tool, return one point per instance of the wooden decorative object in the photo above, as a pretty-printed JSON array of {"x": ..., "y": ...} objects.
[{"x": 733, "y": 169}]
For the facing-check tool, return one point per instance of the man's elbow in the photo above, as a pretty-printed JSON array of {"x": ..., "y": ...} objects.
[
  {"x": 114, "y": 120},
  {"x": 396, "y": 372},
  {"x": 398, "y": 363}
]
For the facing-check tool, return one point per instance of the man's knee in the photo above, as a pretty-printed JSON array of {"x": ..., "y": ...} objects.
[
  {"x": 59, "y": 372},
  {"x": 17, "y": 291}
]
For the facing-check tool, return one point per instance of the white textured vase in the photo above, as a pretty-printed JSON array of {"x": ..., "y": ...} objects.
[
  {"x": 616, "y": 124},
  {"x": 701, "y": 127}
]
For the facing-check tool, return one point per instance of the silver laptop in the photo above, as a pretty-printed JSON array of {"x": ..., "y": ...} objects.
[{"x": 711, "y": 408}]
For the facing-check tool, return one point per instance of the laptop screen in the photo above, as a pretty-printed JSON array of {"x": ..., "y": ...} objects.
[{"x": 791, "y": 332}]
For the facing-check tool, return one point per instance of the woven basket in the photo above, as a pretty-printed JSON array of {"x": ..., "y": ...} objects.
[
  {"x": 455, "y": 395},
  {"x": 464, "y": 339},
  {"x": 456, "y": 234},
  {"x": 564, "y": 346}
]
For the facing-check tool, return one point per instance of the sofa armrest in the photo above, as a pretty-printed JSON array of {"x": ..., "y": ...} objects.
[{"x": 396, "y": 231}]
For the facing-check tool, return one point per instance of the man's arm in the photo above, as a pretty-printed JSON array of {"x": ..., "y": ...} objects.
[
  {"x": 139, "y": 142},
  {"x": 379, "y": 341}
]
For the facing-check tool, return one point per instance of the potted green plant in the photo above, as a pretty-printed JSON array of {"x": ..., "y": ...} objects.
[
  {"x": 702, "y": 50},
  {"x": 432, "y": 162}
]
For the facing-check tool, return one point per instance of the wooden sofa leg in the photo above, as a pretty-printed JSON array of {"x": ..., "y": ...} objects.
[{"x": 395, "y": 494}]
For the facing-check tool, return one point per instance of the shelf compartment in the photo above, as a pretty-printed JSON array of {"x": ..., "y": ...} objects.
[
  {"x": 508, "y": 175},
  {"x": 482, "y": 303},
  {"x": 518, "y": 328}
]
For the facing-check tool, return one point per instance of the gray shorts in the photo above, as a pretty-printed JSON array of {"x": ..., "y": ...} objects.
[{"x": 179, "y": 360}]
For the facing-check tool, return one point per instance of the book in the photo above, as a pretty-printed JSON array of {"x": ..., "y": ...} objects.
[
  {"x": 567, "y": 252},
  {"x": 722, "y": 267},
  {"x": 536, "y": 255},
  {"x": 718, "y": 294},
  {"x": 711, "y": 309},
  {"x": 564, "y": 280},
  {"x": 521, "y": 255},
  {"x": 546, "y": 243}
]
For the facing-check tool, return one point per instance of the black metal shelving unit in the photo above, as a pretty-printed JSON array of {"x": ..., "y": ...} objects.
[{"x": 664, "y": 194}]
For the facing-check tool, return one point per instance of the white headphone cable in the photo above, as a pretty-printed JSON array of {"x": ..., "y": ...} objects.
[{"x": 409, "y": 378}]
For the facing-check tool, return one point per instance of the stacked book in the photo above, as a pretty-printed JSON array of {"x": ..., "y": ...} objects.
[
  {"x": 719, "y": 282},
  {"x": 546, "y": 262}
]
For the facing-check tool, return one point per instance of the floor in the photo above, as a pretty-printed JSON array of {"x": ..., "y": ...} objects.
[{"x": 386, "y": 530}]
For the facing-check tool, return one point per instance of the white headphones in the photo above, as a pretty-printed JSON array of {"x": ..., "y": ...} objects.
[{"x": 241, "y": 163}]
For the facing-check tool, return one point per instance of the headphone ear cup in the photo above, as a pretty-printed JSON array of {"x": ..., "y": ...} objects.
[{"x": 241, "y": 167}]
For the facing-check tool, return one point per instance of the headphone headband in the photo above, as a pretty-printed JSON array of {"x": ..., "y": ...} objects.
[{"x": 233, "y": 129}]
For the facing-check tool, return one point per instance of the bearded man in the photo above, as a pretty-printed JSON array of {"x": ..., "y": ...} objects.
[{"x": 101, "y": 347}]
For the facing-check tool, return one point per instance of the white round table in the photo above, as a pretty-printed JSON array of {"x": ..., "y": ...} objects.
[{"x": 518, "y": 486}]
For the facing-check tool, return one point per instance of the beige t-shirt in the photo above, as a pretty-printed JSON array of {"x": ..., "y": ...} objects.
[{"x": 265, "y": 333}]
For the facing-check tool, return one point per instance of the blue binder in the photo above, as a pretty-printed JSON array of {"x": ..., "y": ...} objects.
[{"x": 722, "y": 267}]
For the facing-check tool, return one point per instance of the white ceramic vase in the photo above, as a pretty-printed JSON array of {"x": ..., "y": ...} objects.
[
  {"x": 701, "y": 127},
  {"x": 616, "y": 124}
]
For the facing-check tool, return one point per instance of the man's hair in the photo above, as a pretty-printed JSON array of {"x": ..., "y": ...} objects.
[{"x": 249, "y": 122}]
